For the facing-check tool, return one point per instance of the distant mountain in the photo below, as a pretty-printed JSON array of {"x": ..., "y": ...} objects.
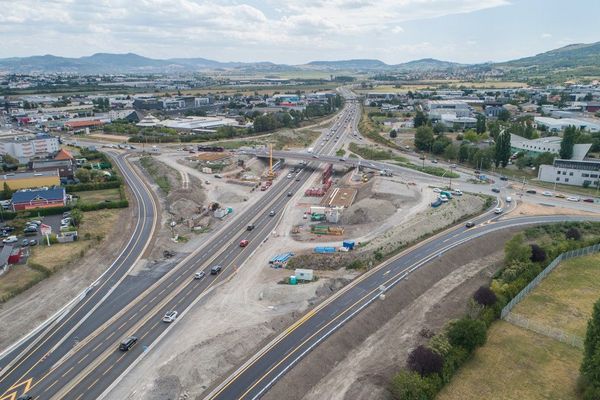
[
  {"x": 362, "y": 64},
  {"x": 427, "y": 64},
  {"x": 571, "y": 56}
]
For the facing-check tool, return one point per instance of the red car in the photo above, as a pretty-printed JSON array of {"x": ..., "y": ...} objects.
[
  {"x": 244, "y": 243},
  {"x": 588, "y": 200}
]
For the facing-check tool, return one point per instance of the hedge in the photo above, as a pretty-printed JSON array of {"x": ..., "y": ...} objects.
[
  {"x": 82, "y": 187},
  {"x": 103, "y": 205}
]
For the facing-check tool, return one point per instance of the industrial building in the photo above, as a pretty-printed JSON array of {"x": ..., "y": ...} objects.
[
  {"x": 28, "y": 180},
  {"x": 27, "y": 147},
  {"x": 560, "y": 124},
  {"x": 571, "y": 172},
  {"x": 535, "y": 147}
]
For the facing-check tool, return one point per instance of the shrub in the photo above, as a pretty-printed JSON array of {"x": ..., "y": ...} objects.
[
  {"x": 485, "y": 296},
  {"x": 408, "y": 385},
  {"x": 537, "y": 253},
  {"x": 516, "y": 249},
  {"x": 425, "y": 361},
  {"x": 467, "y": 333},
  {"x": 573, "y": 234},
  {"x": 452, "y": 361},
  {"x": 82, "y": 187},
  {"x": 440, "y": 344}
]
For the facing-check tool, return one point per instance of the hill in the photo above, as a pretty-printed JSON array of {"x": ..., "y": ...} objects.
[
  {"x": 571, "y": 56},
  {"x": 427, "y": 64},
  {"x": 361, "y": 64}
]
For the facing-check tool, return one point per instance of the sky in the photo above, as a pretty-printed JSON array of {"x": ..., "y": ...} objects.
[{"x": 297, "y": 31}]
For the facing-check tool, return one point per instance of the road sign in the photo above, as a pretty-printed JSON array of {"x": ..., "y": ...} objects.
[{"x": 45, "y": 229}]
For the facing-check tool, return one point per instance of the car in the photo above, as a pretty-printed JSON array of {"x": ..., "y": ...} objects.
[
  {"x": 65, "y": 221},
  {"x": 25, "y": 397},
  {"x": 495, "y": 190},
  {"x": 244, "y": 243},
  {"x": 10, "y": 239},
  {"x": 437, "y": 190},
  {"x": 128, "y": 343},
  {"x": 33, "y": 242},
  {"x": 218, "y": 176},
  {"x": 573, "y": 198},
  {"x": 35, "y": 222},
  {"x": 8, "y": 228},
  {"x": 250, "y": 227},
  {"x": 588, "y": 200},
  {"x": 66, "y": 214},
  {"x": 453, "y": 165},
  {"x": 498, "y": 210},
  {"x": 457, "y": 192},
  {"x": 443, "y": 198},
  {"x": 342, "y": 159},
  {"x": 434, "y": 161},
  {"x": 199, "y": 275},
  {"x": 470, "y": 224},
  {"x": 559, "y": 195},
  {"x": 508, "y": 199},
  {"x": 170, "y": 316},
  {"x": 503, "y": 178},
  {"x": 547, "y": 193},
  {"x": 24, "y": 242},
  {"x": 315, "y": 156},
  {"x": 289, "y": 176},
  {"x": 215, "y": 270},
  {"x": 290, "y": 194},
  {"x": 297, "y": 179},
  {"x": 272, "y": 213},
  {"x": 530, "y": 191}
]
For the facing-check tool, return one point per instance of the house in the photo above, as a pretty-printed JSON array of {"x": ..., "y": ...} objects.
[
  {"x": 40, "y": 198},
  {"x": 66, "y": 168},
  {"x": 64, "y": 155},
  {"x": 28, "y": 180}
]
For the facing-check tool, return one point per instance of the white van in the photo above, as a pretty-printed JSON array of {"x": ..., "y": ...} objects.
[{"x": 508, "y": 199}]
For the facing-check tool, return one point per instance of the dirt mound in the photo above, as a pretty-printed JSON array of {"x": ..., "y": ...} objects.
[{"x": 367, "y": 211}]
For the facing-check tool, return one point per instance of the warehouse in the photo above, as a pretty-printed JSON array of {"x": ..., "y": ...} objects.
[{"x": 41, "y": 198}]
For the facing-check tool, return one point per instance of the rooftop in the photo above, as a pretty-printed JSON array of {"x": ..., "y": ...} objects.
[{"x": 25, "y": 175}]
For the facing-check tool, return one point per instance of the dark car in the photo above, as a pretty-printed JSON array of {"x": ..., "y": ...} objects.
[
  {"x": 215, "y": 270},
  {"x": 531, "y": 191},
  {"x": 128, "y": 343},
  {"x": 25, "y": 397},
  {"x": 503, "y": 178},
  {"x": 250, "y": 227},
  {"x": 470, "y": 224},
  {"x": 588, "y": 200},
  {"x": 495, "y": 190}
]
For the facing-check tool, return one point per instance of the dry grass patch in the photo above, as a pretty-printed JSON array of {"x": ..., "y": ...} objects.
[
  {"x": 564, "y": 300},
  {"x": 96, "y": 196},
  {"x": 517, "y": 364}
]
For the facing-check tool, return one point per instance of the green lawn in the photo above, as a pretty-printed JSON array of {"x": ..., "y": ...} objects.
[
  {"x": 565, "y": 299},
  {"x": 97, "y": 196},
  {"x": 517, "y": 364}
]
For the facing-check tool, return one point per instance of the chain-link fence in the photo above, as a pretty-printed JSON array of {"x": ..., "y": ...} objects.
[
  {"x": 557, "y": 334},
  {"x": 536, "y": 281}
]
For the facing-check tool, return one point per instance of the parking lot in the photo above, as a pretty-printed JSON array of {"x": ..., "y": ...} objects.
[{"x": 52, "y": 220}]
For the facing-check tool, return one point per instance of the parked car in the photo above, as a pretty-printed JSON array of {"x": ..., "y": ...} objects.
[
  {"x": 503, "y": 178},
  {"x": 588, "y": 200},
  {"x": 531, "y": 191},
  {"x": 244, "y": 243},
  {"x": 170, "y": 316},
  {"x": 33, "y": 242},
  {"x": 128, "y": 343},
  {"x": 24, "y": 242},
  {"x": 443, "y": 198},
  {"x": 457, "y": 192},
  {"x": 573, "y": 198},
  {"x": 470, "y": 224},
  {"x": 437, "y": 190},
  {"x": 547, "y": 193},
  {"x": 199, "y": 275},
  {"x": 560, "y": 195},
  {"x": 10, "y": 239},
  {"x": 215, "y": 270}
]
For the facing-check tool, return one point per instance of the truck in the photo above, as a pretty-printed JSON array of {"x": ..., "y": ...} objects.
[{"x": 446, "y": 193}]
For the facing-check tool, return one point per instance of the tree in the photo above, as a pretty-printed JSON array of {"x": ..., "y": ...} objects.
[
  {"x": 538, "y": 254},
  {"x": 463, "y": 153},
  {"x": 480, "y": 125},
  {"x": 573, "y": 234},
  {"x": 8, "y": 159},
  {"x": 568, "y": 142},
  {"x": 485, "y": 296},
  {"x": 408, "y": 385},
  {"x": 502, "y": 149},
  {"x": 471, "y": 136},
  {"x": 424, "y": 138},
  {"x": 6, "y": 192},
  {"x": 393, "y": 134},
  {"x": 545, "y": 158},
  {"x": 590, "y": 366},
  {"x": 504, "y": 115},
  {"x": 439, "y": 128},
  {"x": 494, "y": 129},
  {"x": 83, "y": 175},
  {"x": 517, "y": 250},
  {"x": 451, "y": 152},
  {"x": 420, "y": 119},
  {"x": 467, "y": 333},
  {"x": 440, "y": 144},
  {"x": 76, "y": 216},
  {"x": 425, "y": 361}
]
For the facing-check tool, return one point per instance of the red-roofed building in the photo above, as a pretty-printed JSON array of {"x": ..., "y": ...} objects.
[
  {"x": 64, "y": 154},
  {"x": 83, "y": 124}
]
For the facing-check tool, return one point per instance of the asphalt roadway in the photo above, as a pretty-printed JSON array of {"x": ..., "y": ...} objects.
[
  {"x": 36, "y": 354},
  {"x": 257, "y": 375},
  {"x": 86, "y": 367}
]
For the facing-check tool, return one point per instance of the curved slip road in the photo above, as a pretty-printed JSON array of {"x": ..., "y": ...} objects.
[{"x": 257, "y": 375}]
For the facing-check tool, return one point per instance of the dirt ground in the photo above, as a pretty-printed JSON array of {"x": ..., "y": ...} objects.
[
  {"x": 24, "y": 312},
  {"x": 357, "y": 361},
  {"x": 524, "y": 209}
]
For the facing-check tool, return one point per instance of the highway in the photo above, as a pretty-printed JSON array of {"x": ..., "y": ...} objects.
[
  {"x": 254, "y": 378},
  {"x": 86, "y": 368},
  {"x": 22, "y": 363}
]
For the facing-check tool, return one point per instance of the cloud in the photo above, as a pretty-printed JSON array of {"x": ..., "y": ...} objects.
[
  {"x": 546, "y": 35},
  {"x": 236, "y": 28}
]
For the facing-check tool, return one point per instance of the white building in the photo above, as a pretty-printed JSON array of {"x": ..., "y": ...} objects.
[
  {"x": 559, "y": 124},
  {"x": 458, "y": 108},
  {"x": 24, "y": 148},
  {"x": 535, "y": 147},
  {"x": 571, "y": 172}
]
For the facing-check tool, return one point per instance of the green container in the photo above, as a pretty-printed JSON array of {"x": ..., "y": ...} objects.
[{"x": 293, "y": 280}]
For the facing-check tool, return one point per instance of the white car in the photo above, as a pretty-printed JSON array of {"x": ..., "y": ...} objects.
[
  {"x": 10, "y": 239},
  {"x": 573, "y": 198},
  {"x": 437, "y": 190},
  {"x": 457, "y": 192},
  {"x": 199, "y": 275},
  {"x": 443, "y": 198},
  {"x": 498, "y": 210},
  {"x": 547, "y": 194},
  {"x": 289, "y": 176},
  {"x": 170, "y": 316}
]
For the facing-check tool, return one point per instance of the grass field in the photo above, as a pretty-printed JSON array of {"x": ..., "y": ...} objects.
[
  {"x": 565, "y": 299},
  {"x": 97, "y": 196},
  {"x": 21, "y": 277},
  {"x": 517, "y": 364}
]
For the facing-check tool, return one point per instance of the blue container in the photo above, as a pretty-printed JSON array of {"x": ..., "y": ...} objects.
[
  {"x": 293, "y": 280},
  {"x": 322, "y": 249},
  {"x": 349, "y": 244}
]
